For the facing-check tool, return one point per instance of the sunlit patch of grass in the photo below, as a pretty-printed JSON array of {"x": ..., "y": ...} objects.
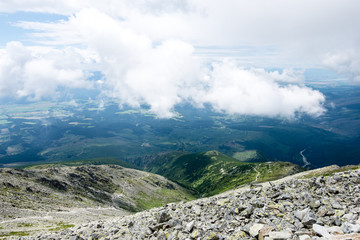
[
  {"x": 20, "y": 233},
  {"x": 61, "y": 226}
]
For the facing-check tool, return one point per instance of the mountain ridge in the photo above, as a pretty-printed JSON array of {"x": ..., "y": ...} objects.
[
  {"x": 54, "y": 191},
  {"x": 316, "y": 204},
  {"x": 212, "y": 172}
]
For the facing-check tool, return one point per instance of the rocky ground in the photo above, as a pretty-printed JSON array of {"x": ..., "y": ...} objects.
[
  {"x": 53, "y": 199},
  {"x": 318, "y": 207}
]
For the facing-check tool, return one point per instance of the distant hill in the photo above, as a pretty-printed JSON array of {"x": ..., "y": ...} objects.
[{"x": 212, "y": 172}]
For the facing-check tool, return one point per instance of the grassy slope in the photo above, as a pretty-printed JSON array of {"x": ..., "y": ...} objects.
[
  {"x": 212, "y": 172},
  {"x": 336, "y": 169},
  {"x": 206, "y": 173}
]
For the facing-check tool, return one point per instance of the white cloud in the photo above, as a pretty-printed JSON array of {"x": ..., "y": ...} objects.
[
  {"x": 27, "y": 72},
  {"x": 345, "y": 62},
  {"x": 255, "y": 92},
  {"x": 145, "y": 49}
]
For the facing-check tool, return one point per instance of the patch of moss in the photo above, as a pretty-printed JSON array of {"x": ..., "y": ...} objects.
[
  {"x": 61, "y": 226},
  {"x": 14, "y": 234},
  {"x": 25, "y": 224}
]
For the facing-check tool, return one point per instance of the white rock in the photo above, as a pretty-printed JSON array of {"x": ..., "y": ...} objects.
[
  {"x": 280, "y": 235},
  {"x": 304, "y": 237},
  {"x": 322, "y": 231},
  {"x": 301, "y": 214},
  {"x": 351, "y": 228},
  {"x": 197, "y": 209},
  {"x": 190, "y": 226},
  {"x": 335, "y": 230},
  {"x": 355, "y": 228},
  {"x": 255, "y": 229}
]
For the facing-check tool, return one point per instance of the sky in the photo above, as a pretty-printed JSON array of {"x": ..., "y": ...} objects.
[{"x": 239, "y": 57}]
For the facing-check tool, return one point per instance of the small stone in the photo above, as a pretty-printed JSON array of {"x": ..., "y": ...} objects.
[
  {"x": 195, "y": 234},
  {"x": 189, "y": 227},
  {"x": 320, "y": 230},
  {"x": 161, "y": 236},
  {"x": 173, "y": 235},
  {"x": 211, "y": 236},
  {"x": 308, "y": 219},
  {"x": 239, "y": 235},
  {"x": 333, "y": 190},
  {"x": 255, "y": 229},
  {"x": 337, "y": 221},
  {"x": 163, "y": 216},
  {"x": 315, "y": 204},
  {"x": 264, "y": 232},
  {"x": 351, "y": 228},
  {"x": 335, "y": 230},
  {"x": 223, "y": 202},
  {"x": 301, "y": 214},
  {"x": 285, "y": 196},
  {"x": 304, "y": 237},
  {"x": 196, "y": 209},
  {"x": 330, "y": 212},
  {"x": 339, "y": 213},
  {"x": 280, "y": 235},
  {"x": 322, "y": 211},
  {"x": 76, "y": 238},
  {"x": 349, "y": 216},
  {"x": 247, "y": 212},
  {"x": 336, "y": 205}
]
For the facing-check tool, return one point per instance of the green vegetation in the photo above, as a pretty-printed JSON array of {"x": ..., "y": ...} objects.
[
  {"x": 270, "y": 171},
  {"x": 88, "y": 186},
  {"x": 50, "y": 132},
  {"x": 332, "y": 172},
  {"x": 61, "y": 226},
  {"x": 20, "y": 233},
  {"x": 212, "y": 172},
  {"x": 25, "y": 224},
  {"x": 246, "y": 155},
  {"x": 161, "y": 197}
]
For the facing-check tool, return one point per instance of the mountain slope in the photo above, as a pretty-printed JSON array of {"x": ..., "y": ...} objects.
[
  {"x": 104, "y": 185},
  {"x": 212, "y": 172},
  {"x": 54, "y": 191},
  {"x": 323, "y": 207}
]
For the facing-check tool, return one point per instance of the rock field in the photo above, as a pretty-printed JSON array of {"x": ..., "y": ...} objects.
[{"x": 324, "y": 207}]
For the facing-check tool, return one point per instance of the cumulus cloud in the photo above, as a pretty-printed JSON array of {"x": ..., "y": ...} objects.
[
  {"x": 345, "y": 62},
  {"x": 235, "y": 90},
  {"x": 28, "y": 73},
  {"x": 145, "y": 51}
]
